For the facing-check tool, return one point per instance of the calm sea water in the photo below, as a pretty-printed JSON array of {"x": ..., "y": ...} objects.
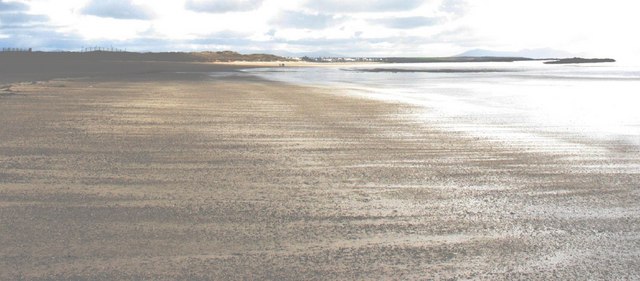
[{"x": 524, "y": 101}]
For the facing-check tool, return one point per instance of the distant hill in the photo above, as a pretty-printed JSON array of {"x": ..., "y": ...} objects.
[
  {"x": 227, "y": 56},
  {"x": 543, "y": 53}
]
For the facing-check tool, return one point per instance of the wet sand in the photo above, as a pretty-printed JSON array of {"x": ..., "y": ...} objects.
[{"x": 164, "y": 176}]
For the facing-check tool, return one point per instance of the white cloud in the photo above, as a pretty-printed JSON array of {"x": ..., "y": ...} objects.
[
  {"x": 304, "y": 20},
  {"x": 406, "y": 22},
  {"x": 222, "y": 6},
  {"x": 351, "y": 6},
  {"x": 457, "y": 7}
]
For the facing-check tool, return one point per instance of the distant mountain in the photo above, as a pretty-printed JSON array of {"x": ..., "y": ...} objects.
[{"x": 542, "y": 53}]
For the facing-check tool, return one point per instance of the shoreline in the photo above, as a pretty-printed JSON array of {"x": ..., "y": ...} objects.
[
  {"x": 150, "y": 174},
  {"x": 294, "y": 63}
]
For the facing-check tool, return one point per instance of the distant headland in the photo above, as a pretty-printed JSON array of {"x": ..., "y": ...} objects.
[
  {"x": 578, "y": 60},
  {"x": 231, "y": 56},
  {"x": 205, "y": 56}
]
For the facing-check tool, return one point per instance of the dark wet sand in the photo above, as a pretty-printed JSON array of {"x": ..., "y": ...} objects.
[{"x": 160, "y": 176}]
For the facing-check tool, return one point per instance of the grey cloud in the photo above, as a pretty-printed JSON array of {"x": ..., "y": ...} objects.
[
  {"x": 406, "y": 22},
  {"x": 271, "y": 32},
  {"x": 13, "y": 17},
  {"x": 304, "y": 20},
  {"x": 342, "y": 6},
  {"x": 117, "y": 9},
  {"x": 12, "y": 6},
  {"x": 39, "y": 37},
  {"x": 222, "y": 6},
  {"x": 18, "y": 19}
]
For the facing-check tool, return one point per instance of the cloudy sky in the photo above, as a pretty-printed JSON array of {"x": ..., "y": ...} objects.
[{"x": 343, "y": 27}]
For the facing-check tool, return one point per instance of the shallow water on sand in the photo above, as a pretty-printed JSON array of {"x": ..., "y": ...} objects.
[{"x": 523, "y": 101}]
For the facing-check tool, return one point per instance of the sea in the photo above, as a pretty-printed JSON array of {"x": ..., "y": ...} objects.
[{"x": 572, "y": 106}]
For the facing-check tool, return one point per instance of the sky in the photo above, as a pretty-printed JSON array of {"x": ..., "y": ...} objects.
[{"x": 597, "y": 28}]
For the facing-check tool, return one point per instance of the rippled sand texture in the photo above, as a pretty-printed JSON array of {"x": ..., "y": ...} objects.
[{"x": 180, "y": 177}]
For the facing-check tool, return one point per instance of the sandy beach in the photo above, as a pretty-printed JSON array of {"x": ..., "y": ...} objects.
[{"x": 156, "y": 171}]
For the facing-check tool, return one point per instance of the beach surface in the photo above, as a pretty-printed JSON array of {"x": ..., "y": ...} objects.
[{"x": 161, "y": 171}]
